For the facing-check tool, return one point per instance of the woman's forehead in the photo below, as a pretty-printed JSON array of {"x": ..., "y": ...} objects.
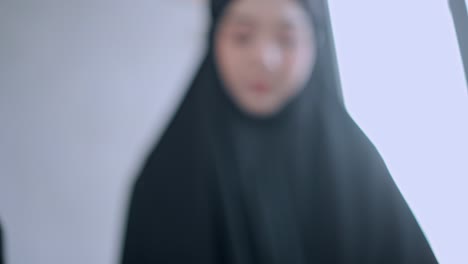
[{"x": 286, "y": 14}]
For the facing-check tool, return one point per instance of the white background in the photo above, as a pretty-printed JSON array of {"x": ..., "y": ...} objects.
[{"x": 87, "y": 86}]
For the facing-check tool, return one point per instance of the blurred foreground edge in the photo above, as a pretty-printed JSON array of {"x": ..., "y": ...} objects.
[{"x": 460, "y": 20}]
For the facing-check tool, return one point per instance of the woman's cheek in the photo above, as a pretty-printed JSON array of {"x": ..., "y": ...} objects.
[{"x": 289, "y": 67}]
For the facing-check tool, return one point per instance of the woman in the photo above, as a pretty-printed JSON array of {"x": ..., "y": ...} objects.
[{"x": 262, "y": 163}]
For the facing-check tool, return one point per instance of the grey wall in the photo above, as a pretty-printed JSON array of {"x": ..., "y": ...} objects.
[{"x": 86, "y": 87}]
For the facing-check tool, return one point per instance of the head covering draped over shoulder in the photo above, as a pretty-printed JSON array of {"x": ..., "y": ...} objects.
[{"x": 302, "y": 186}]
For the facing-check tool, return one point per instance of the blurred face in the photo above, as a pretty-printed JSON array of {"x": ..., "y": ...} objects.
[{"x": 265, "y": 51}]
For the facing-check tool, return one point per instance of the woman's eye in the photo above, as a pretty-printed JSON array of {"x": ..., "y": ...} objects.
[
  {"x": 242, "y": 38},
  {"x": 287, "y": 41}
]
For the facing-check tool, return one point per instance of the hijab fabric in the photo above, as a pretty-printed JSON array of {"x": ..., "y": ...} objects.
[{"x": 303, "y": 186}]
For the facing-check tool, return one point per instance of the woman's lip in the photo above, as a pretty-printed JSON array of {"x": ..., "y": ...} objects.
[{"x": 260, "y": 87}]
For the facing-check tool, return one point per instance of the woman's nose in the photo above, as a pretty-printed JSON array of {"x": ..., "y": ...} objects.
[{"x": 268, "y": 56}]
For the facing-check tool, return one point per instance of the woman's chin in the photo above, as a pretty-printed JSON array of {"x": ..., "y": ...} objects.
[{"x": 260, "y": 110}]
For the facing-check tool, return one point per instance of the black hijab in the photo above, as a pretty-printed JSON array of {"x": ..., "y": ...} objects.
[
  {"x": 302, "y": 186},
  {"x": 1, "y": 245}
]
